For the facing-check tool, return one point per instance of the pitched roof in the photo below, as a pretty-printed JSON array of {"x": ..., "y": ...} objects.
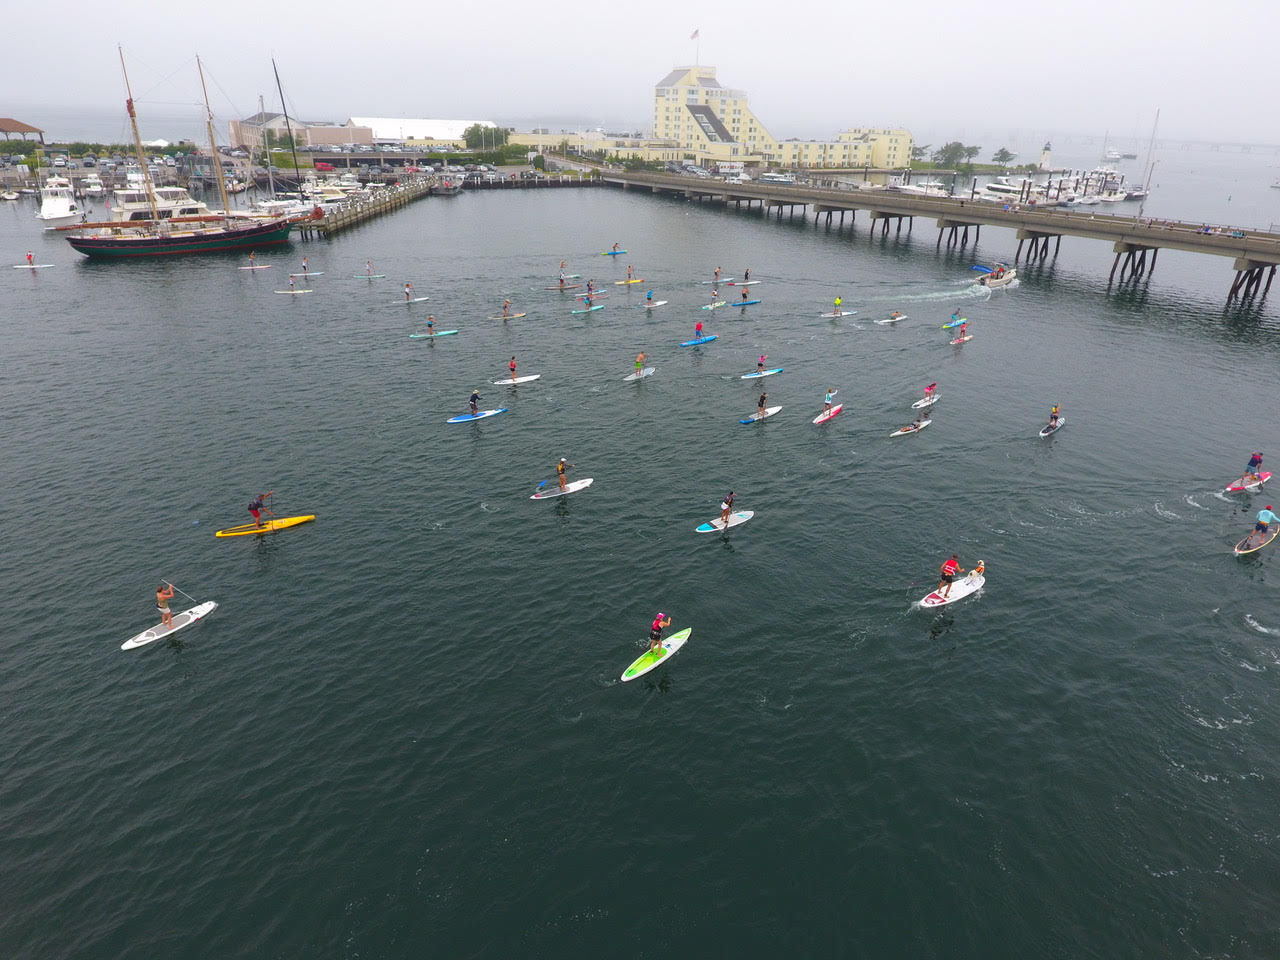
[
  {"x": 10, "y": 125},
  {"x": 671, "y": 78},
  {"x": 261, "y": 118}
]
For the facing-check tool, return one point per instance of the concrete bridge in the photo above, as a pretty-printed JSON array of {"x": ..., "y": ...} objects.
[{"x": 1136, "y": 242}]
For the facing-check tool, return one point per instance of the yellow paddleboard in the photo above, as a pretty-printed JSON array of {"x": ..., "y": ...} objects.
[{"x": 270, "y": 526}]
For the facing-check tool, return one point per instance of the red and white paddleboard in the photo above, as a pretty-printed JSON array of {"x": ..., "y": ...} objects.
[
  {"x": 959, "y": 590},
  {"x": 824, "y": 417},
  {"x": 1236, "y": 486}
]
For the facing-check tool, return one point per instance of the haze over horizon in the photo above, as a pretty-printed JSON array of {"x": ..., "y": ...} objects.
[{"x": 940, "y": 74}]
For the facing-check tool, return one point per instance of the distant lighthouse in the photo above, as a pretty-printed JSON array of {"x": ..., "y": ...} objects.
[{"x": 1044, "y": 166}]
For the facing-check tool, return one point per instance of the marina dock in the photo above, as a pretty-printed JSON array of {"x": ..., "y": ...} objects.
[{"x": 358, "y": 211}]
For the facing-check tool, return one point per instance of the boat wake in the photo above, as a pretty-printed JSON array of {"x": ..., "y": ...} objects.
[
  {"x": 1167, "y": 514},
  {"x": 977, "y": 292},
  {"x": 1256, "y": 625}
]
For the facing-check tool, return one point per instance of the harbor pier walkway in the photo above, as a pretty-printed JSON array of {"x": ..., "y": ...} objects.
[{"x": 1135, "y": 241}]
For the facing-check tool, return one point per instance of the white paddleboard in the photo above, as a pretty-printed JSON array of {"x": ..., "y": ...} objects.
[
  {"x": 756, "y": 417},
  {"x": 711, "y": 526},
  {"x": 641, "y": 374},
  {"x": 925, "y": 402},
  {"x": 743, "y": 283},
  {"x": 763, "y": 373},
  {"x": 295, "y": 292},
  {"x": 31, "y": 266},
  {"x": 724, "y": 280},
  {"x": 892, "y": 319},
  {"x": 834, "y": 316},
  {"x": 509, "y": 381},
  {"x": 959, "y": 590},
  {"x": 905, "y": 430},
  {"x": 555, "y": 491},
  {"x": 713, "y": 306},
  {"x": 1047, "y": 430},
  {"x": 256, "y": 266},
  {"x": 368, "y": 276},
  {"x": 833, "y": 412},
  {"x": 184, "y": 619},
  {"x": 650, "y": 304},
  {"x": 309, "y": 273},
  {"x": 411, "y": 300}
]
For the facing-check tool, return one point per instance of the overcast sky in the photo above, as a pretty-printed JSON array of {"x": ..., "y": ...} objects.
[{"x": 979, "y": 72}]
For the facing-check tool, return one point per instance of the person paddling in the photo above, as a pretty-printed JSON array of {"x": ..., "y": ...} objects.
[
  {"x": 1251, "y": 471},
  {"x": 164, "y": 593},
  {"x": 827, "y": 401},
  {"x": 697, "y": 330},
  {"x": 930, "y": 389},
  {"x": 649, "y": 297},
  {"x": 616, "y": 248},
  {"x": 660, "y": 622},
  {"x": 1054, "y": 413},
  {"x": 368, "y": 268},
  {"x": 512, "y": 367},
  {"x": 746, "y": 275},
  {"x": 745, "y": 294},
  {"x": 1265, "y": 519},
  {"x": 764, "y": 398},
  {"x": 760, "y": 362},
  {"x": 408, "y": 291},
  {"x": 431, "y": 325},
  {"x": 562, "y": 472},
  {"x": 31, "y": 260},
  {"x": 256, "y": 508},
  {"x": 474, "y": 403},
  {"x": 836, "y": 305},
  {"x": 640, "y": 358},
  {"x": 949, "y": 571},
  {"x": 725, "y": 506},
  {"x": 506, "y": 309},
  {"x": 253, "y": 257}
]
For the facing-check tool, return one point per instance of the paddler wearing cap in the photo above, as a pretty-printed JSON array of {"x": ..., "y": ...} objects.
[
  {"x": 1251, "y": 471},
  {"x": 474, "y": 402},
  {"x": 1265, "y": 519},
  {"x": 655, "y": 630},
  {"x": 561, "y": 467}
]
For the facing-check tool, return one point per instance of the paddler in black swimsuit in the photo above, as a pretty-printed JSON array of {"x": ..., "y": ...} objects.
[
  {"x": 760, "y": 405},
  {"x": 655, "y": 630}
]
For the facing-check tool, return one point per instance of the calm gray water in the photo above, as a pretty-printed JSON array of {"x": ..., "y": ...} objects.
[{"x": 402, "y": 733}]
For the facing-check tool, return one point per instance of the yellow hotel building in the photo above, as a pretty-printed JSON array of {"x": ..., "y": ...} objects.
[{"x": 697, "y": 120}]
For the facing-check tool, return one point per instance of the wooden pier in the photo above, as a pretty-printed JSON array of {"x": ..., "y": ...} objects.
[{"x": 358, "y": 211}]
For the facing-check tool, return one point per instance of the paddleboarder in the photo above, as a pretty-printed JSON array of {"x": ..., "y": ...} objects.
[
  {"x": 640, "y": 358},
  {"x": 304, "y": 266},
  {"x": 256, "y": 507},
  {"x": 697, "y": 330},
  {"x": 929, "y": 390},
  {"x": 615, "y": 248},
  {"x": 474, "y": 403},
  {"x": 591, "y": 288},
  {"x": 164, "y": 593},
  {"x": 836, "y": 304},
  {"x": 746, "y": 275},
  {"x": 725, "y": 506},
  {"x": 828, "y": 400},
  {"x": 292, "y": 285},
  {"x": 895, "y": 315},
  {"x": 717, "y": 277},
  {"x": 745, "y": 294},
  {"x": 760, "y": 362},
  {"x": 408, "y": 291},
  {"x": 964, "y": 325},
  {"x": 660, "y": 622},
  {"x": 1265, "y": 519},
  {"x": 955, "y": 315},
  {"x": 949, "y": 571},
  {"x": 561, "y": 474},
  {"x": 368, "y": 268},
  {"x": 630, "y": 273},
  {"x": 764, "y": 397},
  {"x": 506, "y": 309},
  {"x": 431, "y": 325},
  {"x": 1255, "y": 461},
  {"x": 562, "y": 282},
  {"x": 649, "y": 297},
  {"x": 1054, "y": 413},
  {"x": 563, "y": 265},
  {"x": 512, "y": 367},
  {"x": 31, "y": 260}
]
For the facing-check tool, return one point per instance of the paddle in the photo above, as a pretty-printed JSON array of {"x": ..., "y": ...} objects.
[{"x": 184, "y": 593}]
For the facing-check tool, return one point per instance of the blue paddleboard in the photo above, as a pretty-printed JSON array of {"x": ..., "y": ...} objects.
[
  {"x": 747, "y": 303},
  {"x": 598, "y": 306},
  {"x": 699, "y": 340}
]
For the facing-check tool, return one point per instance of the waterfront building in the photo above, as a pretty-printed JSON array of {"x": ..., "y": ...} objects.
[{"x": 254, "y": 131}]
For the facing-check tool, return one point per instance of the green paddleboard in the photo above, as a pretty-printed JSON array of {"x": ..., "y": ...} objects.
[{"x": 652, "y": 658}]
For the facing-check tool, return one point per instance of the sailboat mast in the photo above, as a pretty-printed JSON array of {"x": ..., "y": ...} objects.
[
  {"x": 266, "y": 150},
  {"x": 137, "y": 142},
  {"x": 213, "y": 143},
  {"x": 1151, "y": 146},
  {"x": 293, "y": 146}
]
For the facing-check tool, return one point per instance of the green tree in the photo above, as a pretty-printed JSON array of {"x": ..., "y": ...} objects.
[
  {"x": 1002, "y": 156},
  {"x": 950, "y": 155},
  {"x": 482, "y": 136},
  {"x": 971, "y": 152},
  {"x": 920, "y": 152}
]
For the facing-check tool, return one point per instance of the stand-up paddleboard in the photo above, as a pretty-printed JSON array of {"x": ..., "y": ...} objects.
[
  {"x": 711, "y": 526},
  {"x": 295, "y": 292},
  {"x": 593, "y": 296},
  {"x": 598, "y": 306},
  {"x": 432, "y": 336},
  {"x": 763, "y": 373},
  {"x": 667, "y": 649},
  {"x": 41, "y": 266},
  {"x": 748, "y": 303},
  {"x": 368, "y": 276},
  {"x": 468, "y": 417},
  {"x": 925, "y": 402},
  {"x": 696, "y": 341},
  {"x": 309, "y": 273},
  {"x": 613, "y": 253},
  {"x": 1053, "y": 428},
  {"x": 509, "y": 381},
  {"x": 572, "y": 276},
  {"x": 256, "y": 266},
  {"x": 740, "y": 283},
  {"x": 509, "y": 316},
  {"x": 1249, "y": 545},
  {"x": 712, "y": 306},
  {"x": 411, "y": 300},
  {"x": 905, "y": 430},
  {"x": 833, "y": 412},
  {"x": 757, "y": 417},
  {"x": 650, "y": 304},
  {"x": 724, "y": 280},
  {"x": 1236, "y": 486},
  {"x": 641, "y": 374},
  {"x": 959, "y": 340},
  {"x": 567, "y": 286},
  {"x": 959, "y": 590},
  {"x": 623, "y": 283},
  {"x": 834, "y": 315},
  {"x": 180, "y": 620},
  {"x": 901, "y": 316},
  {"x": 270, "y": 526},
  {"x": 555, "y": 491},
  {"x": 954, "y": 323}
]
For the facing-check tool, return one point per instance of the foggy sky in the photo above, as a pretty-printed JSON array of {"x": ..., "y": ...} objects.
[{"x": 978, "y": 72}]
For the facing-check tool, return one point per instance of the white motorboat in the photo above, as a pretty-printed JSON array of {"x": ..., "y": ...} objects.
[
  {"x": 131, "y": 203},
  {"x": 58, "y": 202},
  {"x": 91, "y": 185},
  {"x": 1004, "y": 278}
]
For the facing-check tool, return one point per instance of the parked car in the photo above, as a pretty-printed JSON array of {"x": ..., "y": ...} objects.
[{"x": 322, "y": 166}]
